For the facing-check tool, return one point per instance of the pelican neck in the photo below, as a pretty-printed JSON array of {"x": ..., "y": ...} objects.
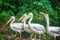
[
  {"x": 30, "y": 19},
  {"x": 12, "y": 21},
  {"x": 47, "y": 21}
]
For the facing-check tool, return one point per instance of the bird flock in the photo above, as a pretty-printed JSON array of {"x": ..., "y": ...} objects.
[{"x": 33, "y": 28}]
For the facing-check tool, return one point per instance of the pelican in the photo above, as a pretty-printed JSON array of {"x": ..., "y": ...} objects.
[
  {"x": 17, "y": 27},
  {"x": 35, "y": 28},
  {"x": 25, "y": 26},
  {"x": 51, "y": 30}
]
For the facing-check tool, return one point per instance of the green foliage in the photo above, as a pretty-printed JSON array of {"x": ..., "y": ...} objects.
[
  {"x": 10, "y": 8},
  {"x": 4, "y": 15},
  {"x": 1, "y": 38}
]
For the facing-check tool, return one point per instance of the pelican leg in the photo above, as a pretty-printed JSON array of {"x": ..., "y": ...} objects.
[
  {"x": 31, "y": 36},
  {"x": 39, "y": 36},
  {"x": 44, "y": 36},
  {"x": 54, "y": 38},
  {"x": 16, "y": 33},
  {"x": 35, "y": 36},
  {"x": 20, "y": 35}
]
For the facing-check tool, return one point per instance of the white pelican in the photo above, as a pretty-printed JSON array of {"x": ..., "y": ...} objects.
[
  {"x": 25, "y": 26},
  {"x": 51, "y": 30},
  {"x": 36, "y": 28},
  {"x": 17, "y": 27}
]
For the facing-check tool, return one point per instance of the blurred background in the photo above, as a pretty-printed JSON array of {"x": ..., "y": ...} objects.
[{"x": 17, "y": 8}]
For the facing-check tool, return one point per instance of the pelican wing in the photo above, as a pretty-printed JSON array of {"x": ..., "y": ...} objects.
[
  {"x": 17, "y": 25},
  {"x": 53, "y": 34},
  {"x": 38, "y": 27},
  {"x": 54, "y": 29}
]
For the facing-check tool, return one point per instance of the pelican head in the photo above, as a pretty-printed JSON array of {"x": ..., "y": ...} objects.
[
  {"x": 12, "y": 18},
  {"x": 27, "y": 16},
  {"x": 46, "y": 15},
  {"x": 30, "y": 15},
  {"x": 23, "y": 18}
]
